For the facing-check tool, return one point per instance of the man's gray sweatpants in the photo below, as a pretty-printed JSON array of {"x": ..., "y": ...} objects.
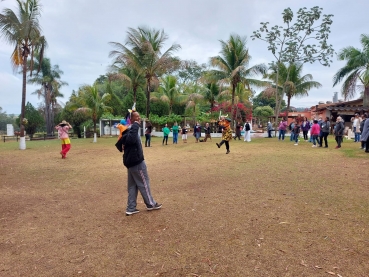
[{"x": 138, "y": 180}]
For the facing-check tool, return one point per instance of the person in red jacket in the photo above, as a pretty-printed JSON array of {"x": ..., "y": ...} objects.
[{"x": 314, "y": 132}]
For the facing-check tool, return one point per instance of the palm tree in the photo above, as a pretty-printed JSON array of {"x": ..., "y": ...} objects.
[
  {"x": 168, "y": 92},
  {"x": 128, "y": 75},
  {"x": 210, "y": 94},
  {"x": 242, "y": 95},
  {"x": 232, "y": 66},
  {"x": 50, "y": 90},
  {"x": 145, "y": 55},
  {"x": 291, "y": 80},
  {"x": 195, "y": 96},
  {"x": 24, "y": 32},
  {"x": 94, "y": 104},
  {"x": 356, "y": 70}
]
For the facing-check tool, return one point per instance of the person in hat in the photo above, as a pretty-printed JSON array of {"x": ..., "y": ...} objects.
[
  {"x": 134, "y": 161},
  {"x": 63, "y": 128},
  {"x": 225, "y": 124}
]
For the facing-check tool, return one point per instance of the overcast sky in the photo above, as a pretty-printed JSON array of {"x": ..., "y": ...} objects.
[{"x": 79, "y": 32}]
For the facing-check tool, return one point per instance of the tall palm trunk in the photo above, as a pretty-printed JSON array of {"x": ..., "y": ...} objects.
[
  {"x": 366, "y": 97},
  {"x": 276, "y": 100},
  {"x": 23, "y": 108},
  {"x": 48, "y": 111},
  {"x": 134, "y": 93},
  {"x": 232, "y": 108},
  {"x": 288, "y": 103},
  {"x": 148, "y": 98}
]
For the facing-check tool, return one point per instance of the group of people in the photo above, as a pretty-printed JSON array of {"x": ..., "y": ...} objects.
[
  {"x": 133, "y": 158},
  {"x": 320, "y": 129}
]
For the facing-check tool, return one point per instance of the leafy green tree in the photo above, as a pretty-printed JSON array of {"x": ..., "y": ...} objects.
[
  {"x": 211, "y": 93},
  {"x": 168, "y": 92},
  {"x": 232, "y": 66},
  {"x": 116, "y": 104},
  {"x": 292, "y": 81},
  {"x": 242, "y": 95},
  {"x": 159, "y": 108},
  {"x": 145, "y": 55},
  {"x": 266, "y": 98},
  {"x": 195, "y": 96},
  {"x": 355, "y": 71},
  {"x": 5, "y": 119},
  {"x": 95, "y": 105},
  {"x": 189, "y": 72},
  {"x": 140, "y": 102},
  {"x": 263, "y": 113},
  {"x": 132, "y": 77},
  {"x": 22, "y": 30},
  {"x": 49, "y": 80},
  {"x": 33, "y": 120},
  {"x": 304, "y": 41}
]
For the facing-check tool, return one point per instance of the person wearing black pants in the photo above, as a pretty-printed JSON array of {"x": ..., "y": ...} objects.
[
  {"x": 226, "y": 133},
  {"x": 363, "y": 117},
  {"x": 365, "y": 134},
  {"x": 305, "y": 127},
  {"x": 148, "y": 130},
  {"x": 338, "y": 131},
  {"x": 325, "y": 127},
  {"x": 238, "y": 131}
]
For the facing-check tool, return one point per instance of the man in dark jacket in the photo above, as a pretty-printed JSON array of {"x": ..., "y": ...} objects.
[
  {"x": 133, "y": 159},
  {"x": 338, "y": 131}
]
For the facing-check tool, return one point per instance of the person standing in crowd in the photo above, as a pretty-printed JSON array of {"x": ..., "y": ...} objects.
[
  {"x": 166, "y": 133},
  {"x": 291, "y": 126},
  {"x": 356, "y": 127},
  {"x": 134, "y": 161},
  {"x": 324, "y": 132},
  {"x": 184, "y": 134},
  {"x": 305, "y": 127},
  {"x": 296, "y": 132},
  {"x": 148, "y": 130},
  {"x": 63, "y": 128},
  {"x": 238, "y": 131},
  {"x": 269, "y": 129},
  {"x": 197, "y": 131},
  {"x": 365, "y": 133},
  {"x": 282, "y": 129},
  {"x": 363, "y": 119},
  {"x": 226, "y": 132},
  {"x": 207, "y": 132},
  {"x": 247, "y": 129},
  {"x": 338, "y": 131},
  {"x": 315, "y": 131},
  {"x": 175, "y": 129}
]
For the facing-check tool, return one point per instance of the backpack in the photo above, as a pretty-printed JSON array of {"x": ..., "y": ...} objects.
[{"x": 247, "y": 127}]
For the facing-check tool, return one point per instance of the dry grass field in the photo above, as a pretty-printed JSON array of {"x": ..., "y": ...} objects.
[{"x": 268, "y": 208}]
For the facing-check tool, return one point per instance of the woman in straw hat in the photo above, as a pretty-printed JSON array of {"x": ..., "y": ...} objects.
[{"x": 63, "y": 128}]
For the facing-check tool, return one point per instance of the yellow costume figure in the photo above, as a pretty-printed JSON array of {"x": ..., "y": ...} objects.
[{"x": 225, "y": 123}]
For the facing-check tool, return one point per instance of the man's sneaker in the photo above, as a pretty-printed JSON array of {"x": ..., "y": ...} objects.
[
  {"x": 156, "y": 207},
  {"x": 217, "y": 145},
  {"x": 132, "y": 212},
  {"x": 296, "y": 144},
  {"x": 313, "y": 145}
]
